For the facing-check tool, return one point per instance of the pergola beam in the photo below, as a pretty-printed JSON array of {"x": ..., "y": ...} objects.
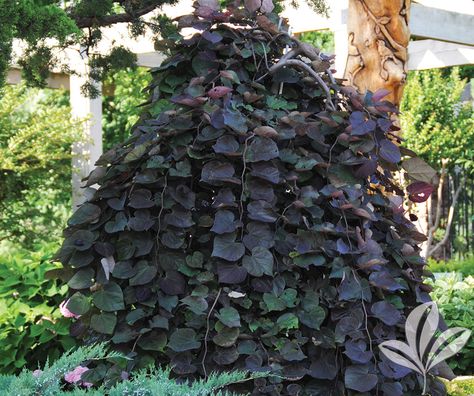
[
  {"x": 426, "y": 20},
  {"x": 431, "y": 54},
  {"x": 55, "y": 80},
  {"x": 443, "y": 25}
]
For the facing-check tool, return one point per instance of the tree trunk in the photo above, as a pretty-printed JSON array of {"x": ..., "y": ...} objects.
[{"x": 378, "y": 40}]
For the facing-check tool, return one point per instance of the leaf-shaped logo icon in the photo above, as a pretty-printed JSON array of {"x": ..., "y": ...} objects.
[{"x": 423, "y": 349}]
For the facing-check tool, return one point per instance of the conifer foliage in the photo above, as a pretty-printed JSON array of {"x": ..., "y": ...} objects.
[{"x": 251, "y": 222}]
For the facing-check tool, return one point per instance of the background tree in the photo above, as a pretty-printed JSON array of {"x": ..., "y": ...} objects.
[
  {"x": 121, "y": 103},
  {"x": 36, "y": 133},
  {"x": 440, "y": 128}
]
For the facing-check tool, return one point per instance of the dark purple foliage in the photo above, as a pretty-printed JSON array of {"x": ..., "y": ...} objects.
[{"x": 253, "y": 224}]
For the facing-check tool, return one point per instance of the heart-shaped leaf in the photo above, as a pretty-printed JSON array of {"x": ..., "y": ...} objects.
[
  {"x": 182, "y": 340},
  {"x": 225, "y": 247},
  {"x": 110, "y": 298}
]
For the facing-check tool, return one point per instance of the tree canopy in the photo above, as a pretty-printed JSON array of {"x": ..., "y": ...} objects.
[
  {"x": 36, "y": 134},
  {"x": 435, "y": 122}
]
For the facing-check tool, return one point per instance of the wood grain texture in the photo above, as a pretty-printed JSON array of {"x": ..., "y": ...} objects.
[{"x": 378, "y": 37}]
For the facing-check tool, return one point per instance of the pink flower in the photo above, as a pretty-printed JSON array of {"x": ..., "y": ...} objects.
[
  {"x": 37, "y": 373},
  {"x": 74, "y": 376},
  {"x": 66, "y": 312}
]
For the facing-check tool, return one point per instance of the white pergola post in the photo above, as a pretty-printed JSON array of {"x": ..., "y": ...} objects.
[
  {"x": 89, "y": 149},
  {"x": 341, "y": 42}
]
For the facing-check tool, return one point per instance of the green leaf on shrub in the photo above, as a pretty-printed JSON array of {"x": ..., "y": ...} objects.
[
  {"x": 110, "y": 298},
  {"x": 153, "y": 341},
  {"x": 278, "y": 103},
  {"x": 226, "y": 337},
  {"x": 104, "y": 323},
  {"x": 145, "y": 274},
  {"x": 87, "y": 213},
  {"x": 305, "y": 260},
  {"x": 261, "y": 149},
  {"x": 196, "y": 304},
  {"x": 358, "y": 378},
  {"x": 312, "y": 317},
  {"x": 229, "y": 316},
  {"x": 78, "y": 304},
  {"x": 183, "y": 340},
  {"x": 273, "y": 303},
  {"x": 260, "y": 263},
  {"x": 82, "y": 279},
  {"x": 195, "y": 260},
  {"x": 136, "y": 153},
  {"x": 135, "y": 315},
  {"x": 287, "y": 321}
]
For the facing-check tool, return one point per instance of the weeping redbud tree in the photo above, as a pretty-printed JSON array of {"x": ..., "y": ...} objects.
[{"x": 252, "y": 220}]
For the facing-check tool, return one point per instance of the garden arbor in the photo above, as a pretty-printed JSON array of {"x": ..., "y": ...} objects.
[{"x": 372, "y": 45}]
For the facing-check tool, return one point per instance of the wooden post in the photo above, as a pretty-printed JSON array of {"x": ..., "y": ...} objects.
[
  {"x": 378, "y": 37},
  {"x": 88, "y": 151}
]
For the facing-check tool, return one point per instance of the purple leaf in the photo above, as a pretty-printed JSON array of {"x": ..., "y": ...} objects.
[
  {"x": 384, "y": 280},
  {"x": 213, "y": 37},
  {"x": 366, "y": 169},
  {"x": 218, "y": 92},
  {"x": 231, "y": 273},
  {"x": 386, "y": 312},
  {"x": 360, "y": 125},
  {"x": 380, "y": 94},
  {"x": 419, "y": 191},
  {"x": 252, "y": 5},
  {"x": 390, "y": 151}
]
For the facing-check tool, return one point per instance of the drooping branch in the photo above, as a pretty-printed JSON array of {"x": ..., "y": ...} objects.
[
  {"x": 310, "y": 52},
  {"x": 85, "y": 22},
  {"x": 435, "y": 226},
  {"x": 434, "y": 217},
  {"x": 452, "y": 209}
]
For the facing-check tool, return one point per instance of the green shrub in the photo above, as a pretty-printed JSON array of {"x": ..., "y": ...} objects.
[
  {"x": 434, "y": 121},
  {"x": 122, "y": 108},
  {"x": 31, "y": 327},
  {"x": 249, "y": 224},
  {"x": 455, "y": 300},
  {"x": 36, "y": 133},
  {"x": 322, "y": 39},
  {"x": 460, "y": 387},
  {"x": 52, "y": 380},
  {"x": 464, "y": 267}
]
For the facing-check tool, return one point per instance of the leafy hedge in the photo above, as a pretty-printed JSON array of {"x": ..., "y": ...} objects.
[
  {"x": 435, "y": 121},
  {"x": 460, "y": 386},
  {"x": 464, "y": 267},
  {"x": 251, "y": 221},
  {"x": 36, "y": 133},
  {"x": 455, "y": 299},
  {"x": 31, "y": 327}
]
